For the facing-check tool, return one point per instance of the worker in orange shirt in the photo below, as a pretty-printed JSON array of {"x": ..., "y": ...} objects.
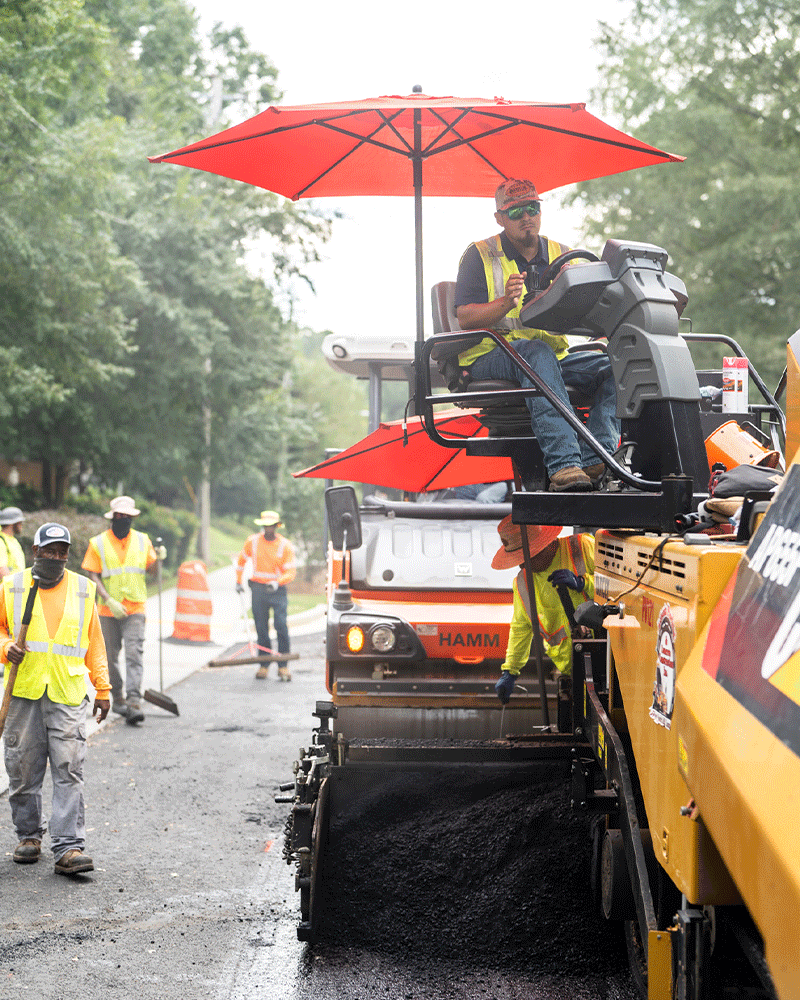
[
  {"x": 117, "y": 561},
  {"x": 49, "y": 704},
  {"x": 273, "y": 562}
]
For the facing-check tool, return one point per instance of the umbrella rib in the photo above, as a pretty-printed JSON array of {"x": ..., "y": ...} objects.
[{"x": 439, "y": 471}]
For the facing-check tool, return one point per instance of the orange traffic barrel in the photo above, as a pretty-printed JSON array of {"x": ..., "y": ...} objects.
[
  {"x": 732, "y": 445},
  {"x": 193, "y": 604}
]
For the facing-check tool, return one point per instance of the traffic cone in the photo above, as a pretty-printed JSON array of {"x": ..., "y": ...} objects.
[{"x": 193, "y": 605}]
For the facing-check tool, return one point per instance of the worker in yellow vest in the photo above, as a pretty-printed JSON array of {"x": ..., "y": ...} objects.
[
  {"x": 563, "y": 571},
  {"x": 12, "y": 558},
  {"x": 117, "y": 561},
  {"x": 49, "y": 704},
  {"x": 273, "y": 566},
  {"x": 493, "y": 277}
]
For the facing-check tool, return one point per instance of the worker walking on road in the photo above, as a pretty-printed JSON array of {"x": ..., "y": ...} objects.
[
  {"x": 49, "y": 703},
  {"x": 12, "y": 558},
  {"x": 117, "y": 561},
  {"x": 273, "y": 562},
  {"x": 556, "y": 562}
]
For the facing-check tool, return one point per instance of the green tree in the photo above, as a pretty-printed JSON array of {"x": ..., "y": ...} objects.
[{"x": 719, "y": 83}]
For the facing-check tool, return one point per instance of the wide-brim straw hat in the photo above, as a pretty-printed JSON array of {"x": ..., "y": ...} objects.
[
  {"x": 510, "y": 552},
  {"x": 268, "y": 517},
  {"x": 122, "y": 505}
]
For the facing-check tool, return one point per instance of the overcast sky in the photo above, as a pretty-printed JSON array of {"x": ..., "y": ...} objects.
[{"x": 326, "y": 51}]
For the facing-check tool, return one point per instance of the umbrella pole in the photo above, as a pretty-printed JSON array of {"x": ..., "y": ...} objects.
[{"x": 538, "y": 645}]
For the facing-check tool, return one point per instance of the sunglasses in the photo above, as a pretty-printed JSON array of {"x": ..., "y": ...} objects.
[{"x": 532, "y": 208}]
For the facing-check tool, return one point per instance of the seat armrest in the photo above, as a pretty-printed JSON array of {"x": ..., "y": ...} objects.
[{"x": 449, "y": 345}]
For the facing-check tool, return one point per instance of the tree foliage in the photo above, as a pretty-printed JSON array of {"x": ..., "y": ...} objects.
[
  {"x": 717, "y": 81},
  {"x": 128, "y": 306}
]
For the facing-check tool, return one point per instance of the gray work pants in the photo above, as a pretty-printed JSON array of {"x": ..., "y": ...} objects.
[
  {"x": 129, "y": 630},
  {"x": 38, "y": 731}
]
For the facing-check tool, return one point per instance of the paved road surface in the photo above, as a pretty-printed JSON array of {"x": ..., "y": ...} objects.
[{"x": 190, "y": 897}]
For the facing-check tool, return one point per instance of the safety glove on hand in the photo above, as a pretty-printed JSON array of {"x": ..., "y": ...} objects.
[
  {"x": 272, "y": 585},
  {"x": 117, "y": 608},
  {"x": 239, "y": 588},
  {"x": 161, "y": 552},
  {"x": 505, "y": 686},
  {"x": 566, "y": 578}
]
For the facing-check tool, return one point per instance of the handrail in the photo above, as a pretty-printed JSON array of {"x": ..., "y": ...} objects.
[{"x": 427, "y": 401}]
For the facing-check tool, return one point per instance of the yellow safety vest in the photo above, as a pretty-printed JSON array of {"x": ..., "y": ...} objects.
[
  {"x": 498, "y": 269},
  {"x": 15, "y": 556},
  {"x": 553, "y": 622},
  {"x": 124, "y": 581},
  {"x": 55, "y": 665}
]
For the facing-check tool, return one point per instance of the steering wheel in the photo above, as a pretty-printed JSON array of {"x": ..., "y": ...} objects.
[{"x": 555, "y": 266}]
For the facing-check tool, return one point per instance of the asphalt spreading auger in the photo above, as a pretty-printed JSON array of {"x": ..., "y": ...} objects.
[{"x": 680, "y": 726}]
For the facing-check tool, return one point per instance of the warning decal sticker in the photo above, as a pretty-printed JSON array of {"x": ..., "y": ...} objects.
[{"x": 664, "y": 687}]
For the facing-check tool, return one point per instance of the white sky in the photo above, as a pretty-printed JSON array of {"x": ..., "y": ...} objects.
[{"x": 328, "y": 51}]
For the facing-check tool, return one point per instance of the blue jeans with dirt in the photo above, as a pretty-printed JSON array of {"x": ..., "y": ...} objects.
[
  {"x": 276, "y": 602},
  {"x": 587, "y": 371}
]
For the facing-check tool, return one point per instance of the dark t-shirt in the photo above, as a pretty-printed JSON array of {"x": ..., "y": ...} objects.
[{"x": 471, "y": 281}]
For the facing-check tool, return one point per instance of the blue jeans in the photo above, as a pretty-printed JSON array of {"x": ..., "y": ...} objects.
[
  {"x": 588, "y": 371},
  {"x": 277, "y": 601}
]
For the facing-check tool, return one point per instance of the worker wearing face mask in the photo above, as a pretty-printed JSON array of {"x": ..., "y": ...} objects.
[
  {"x": 49, "y": 703},
  {"x": 118, "y": 560}
]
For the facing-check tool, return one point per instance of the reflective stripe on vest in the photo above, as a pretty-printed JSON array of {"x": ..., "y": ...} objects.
[
  {"x": 498, "y": 268},
  {"x": 125, "y": 580},
  {"x": 53, "y": 663},
  {"x": 575, "y": 552},
  {"x": 265, "y": 576}
]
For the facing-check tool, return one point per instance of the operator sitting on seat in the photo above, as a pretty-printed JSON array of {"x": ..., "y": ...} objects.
[{"x": 492, "y": 278}]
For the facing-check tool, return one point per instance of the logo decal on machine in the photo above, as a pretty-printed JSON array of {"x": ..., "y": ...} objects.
[
  {"x": 753, "y": 644},
  {"x": 664, "y": 687}
]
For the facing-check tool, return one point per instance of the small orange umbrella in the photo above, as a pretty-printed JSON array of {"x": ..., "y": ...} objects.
[{"x": 399, "y": 455}]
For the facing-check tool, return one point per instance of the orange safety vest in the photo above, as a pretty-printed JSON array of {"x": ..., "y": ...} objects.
[{"x": 272, "y": 561}]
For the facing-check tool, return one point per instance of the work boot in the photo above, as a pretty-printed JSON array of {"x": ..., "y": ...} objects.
[
  {"x": 262, "y": 673},
  {"x": 120, "y": 706},
  {"x": 28, "y": 851},
  {"x": 73, "y": 863},
  {"x": 135, "y": 714},
  {"x": 594, "y": 472},
  {"x": 572, "y": 479},
  {"x": 283, "y": 674}
]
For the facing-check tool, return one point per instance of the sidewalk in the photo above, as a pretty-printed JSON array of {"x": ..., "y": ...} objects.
[{"x": 179, "y": 659}]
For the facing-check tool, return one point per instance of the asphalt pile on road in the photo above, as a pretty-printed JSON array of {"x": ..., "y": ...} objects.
[{"x": 478, "y": 869}]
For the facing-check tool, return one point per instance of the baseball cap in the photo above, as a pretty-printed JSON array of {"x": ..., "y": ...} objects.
[
  {"x": 49, "y": 533},
  {"x": 514, "y": 192}
]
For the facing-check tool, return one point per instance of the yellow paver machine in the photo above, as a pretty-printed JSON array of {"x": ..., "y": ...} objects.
[{"x": 682, "y": 728}]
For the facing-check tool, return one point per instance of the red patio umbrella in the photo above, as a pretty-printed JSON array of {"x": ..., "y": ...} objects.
[
  {"x": 447, "y": 146},
  {"x": 400, "y": 455}
]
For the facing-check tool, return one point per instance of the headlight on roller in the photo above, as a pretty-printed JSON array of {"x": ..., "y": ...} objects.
[
  {"x": 383, "y": 638},
  {"x": 355, "y": 639}
]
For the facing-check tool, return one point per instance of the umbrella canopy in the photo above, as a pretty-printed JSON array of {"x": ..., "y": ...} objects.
[
  {"x": 447, "y": 146},
  {"x": 400, "y": 455}
]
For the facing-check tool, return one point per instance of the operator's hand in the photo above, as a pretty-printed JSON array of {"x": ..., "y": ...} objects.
[
  {"x": 239, "y": 588},
  {"x": 505, "y": 686},
  {"x": 101, "y": 708},
  {"x": 566, "y": 578},
  {"x": 117, "y": 608},
  {"x": 514, "y": 290},
  {"x": 272, "y": 585},
  {"x": 161, "y": 552},
  {"x": 15, "y": 654}
]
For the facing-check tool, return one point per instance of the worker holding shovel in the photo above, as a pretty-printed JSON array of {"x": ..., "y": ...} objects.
[{"x": 58, "y": 643}]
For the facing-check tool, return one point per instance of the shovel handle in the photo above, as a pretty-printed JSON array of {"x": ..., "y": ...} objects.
[{"x": 11, "y": 677}]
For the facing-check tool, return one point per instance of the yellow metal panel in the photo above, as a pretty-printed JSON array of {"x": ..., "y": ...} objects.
[
  {"x": 659, "y": 965},
  {"x": 793, "y": 398},
  {"x": 671, "y": 605}
]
